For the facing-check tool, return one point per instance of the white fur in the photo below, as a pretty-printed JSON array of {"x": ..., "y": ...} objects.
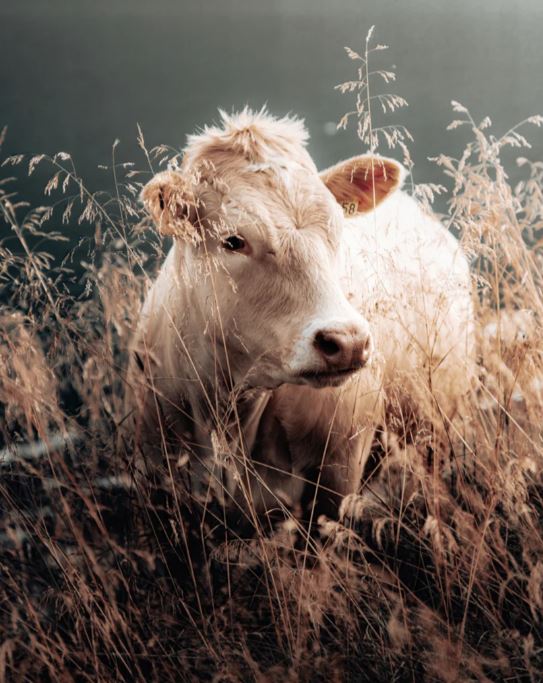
[{"x": 240, "y": 328}]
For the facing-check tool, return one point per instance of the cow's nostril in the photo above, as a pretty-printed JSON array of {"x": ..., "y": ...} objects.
[{"x": 327, "y": 344}]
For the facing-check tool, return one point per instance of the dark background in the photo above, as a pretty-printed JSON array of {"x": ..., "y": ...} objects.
[{"x": 76, "y": 75}]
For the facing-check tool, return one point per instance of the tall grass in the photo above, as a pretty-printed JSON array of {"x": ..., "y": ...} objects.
[{"x": 433, "y": 572}]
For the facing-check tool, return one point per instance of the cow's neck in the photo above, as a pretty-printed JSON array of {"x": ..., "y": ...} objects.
[
  {"x": 232, "y": 414},
  {"x": 224, "y": 427}
]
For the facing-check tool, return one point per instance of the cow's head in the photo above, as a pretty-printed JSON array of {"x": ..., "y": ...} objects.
[{"x": 258, "y": 231}]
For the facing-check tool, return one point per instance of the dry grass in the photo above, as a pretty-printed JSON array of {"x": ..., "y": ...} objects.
[{"x": 434, "y": 572}]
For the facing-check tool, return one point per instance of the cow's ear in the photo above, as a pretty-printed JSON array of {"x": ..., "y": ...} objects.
[
  {"x": 362, "y": 183},
  {"x": 171, "y": 202}
]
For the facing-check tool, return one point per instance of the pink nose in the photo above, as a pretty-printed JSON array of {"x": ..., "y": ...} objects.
[{"x": 343, "y": 349}]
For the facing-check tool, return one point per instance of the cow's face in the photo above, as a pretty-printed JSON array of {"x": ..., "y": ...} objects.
[{"x": 261, "y": 253}]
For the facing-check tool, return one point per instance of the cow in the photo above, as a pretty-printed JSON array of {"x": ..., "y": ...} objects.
[{"x": 293, "y": 309}]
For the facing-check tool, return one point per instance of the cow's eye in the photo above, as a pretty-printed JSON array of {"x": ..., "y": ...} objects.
[{"x": 235, "y": 243}]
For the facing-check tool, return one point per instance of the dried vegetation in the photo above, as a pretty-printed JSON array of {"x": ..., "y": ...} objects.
[{"x": 433, "y": 572}]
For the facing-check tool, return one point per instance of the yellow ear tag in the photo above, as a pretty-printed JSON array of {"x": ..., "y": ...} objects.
[{"x": 350, "y": 208}]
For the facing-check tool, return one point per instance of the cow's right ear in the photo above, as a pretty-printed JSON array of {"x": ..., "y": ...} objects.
[{"x": 172, "y": 204}]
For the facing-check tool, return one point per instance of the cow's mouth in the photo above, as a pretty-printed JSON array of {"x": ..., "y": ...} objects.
[{"x": 329, "y": 378}]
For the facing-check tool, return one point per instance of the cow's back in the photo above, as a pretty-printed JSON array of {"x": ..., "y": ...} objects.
[{"x": 410, "y": 278}]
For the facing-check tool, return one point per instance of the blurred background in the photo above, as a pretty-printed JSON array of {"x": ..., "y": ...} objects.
[{"x": 76, "y": 75}]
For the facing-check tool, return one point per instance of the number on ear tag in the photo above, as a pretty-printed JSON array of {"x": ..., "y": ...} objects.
[{"x": 350, "y": 208}]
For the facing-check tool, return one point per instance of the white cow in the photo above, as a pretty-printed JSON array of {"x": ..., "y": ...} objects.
[{"x": 292, "y": 309}]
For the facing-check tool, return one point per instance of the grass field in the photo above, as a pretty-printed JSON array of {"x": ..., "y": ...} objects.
[{"x": 436, "y": 573}]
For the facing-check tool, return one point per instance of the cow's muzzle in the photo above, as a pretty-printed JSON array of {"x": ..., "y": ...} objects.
[
  {"x": 342, "y": 352},
  {"x": 342, "y": 349}
]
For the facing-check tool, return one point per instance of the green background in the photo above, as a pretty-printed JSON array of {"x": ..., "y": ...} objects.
[{"x": 76, "y": 75}]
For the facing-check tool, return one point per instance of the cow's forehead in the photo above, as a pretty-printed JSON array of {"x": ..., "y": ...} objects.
[
  {"x": 258, "y": 169},
  {"x": 284, "y": 197}
]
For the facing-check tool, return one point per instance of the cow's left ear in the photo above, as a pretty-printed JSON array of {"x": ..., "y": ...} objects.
[
  {"x": 362, "y": 183},
  {"x": 172, "y": 204}
]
